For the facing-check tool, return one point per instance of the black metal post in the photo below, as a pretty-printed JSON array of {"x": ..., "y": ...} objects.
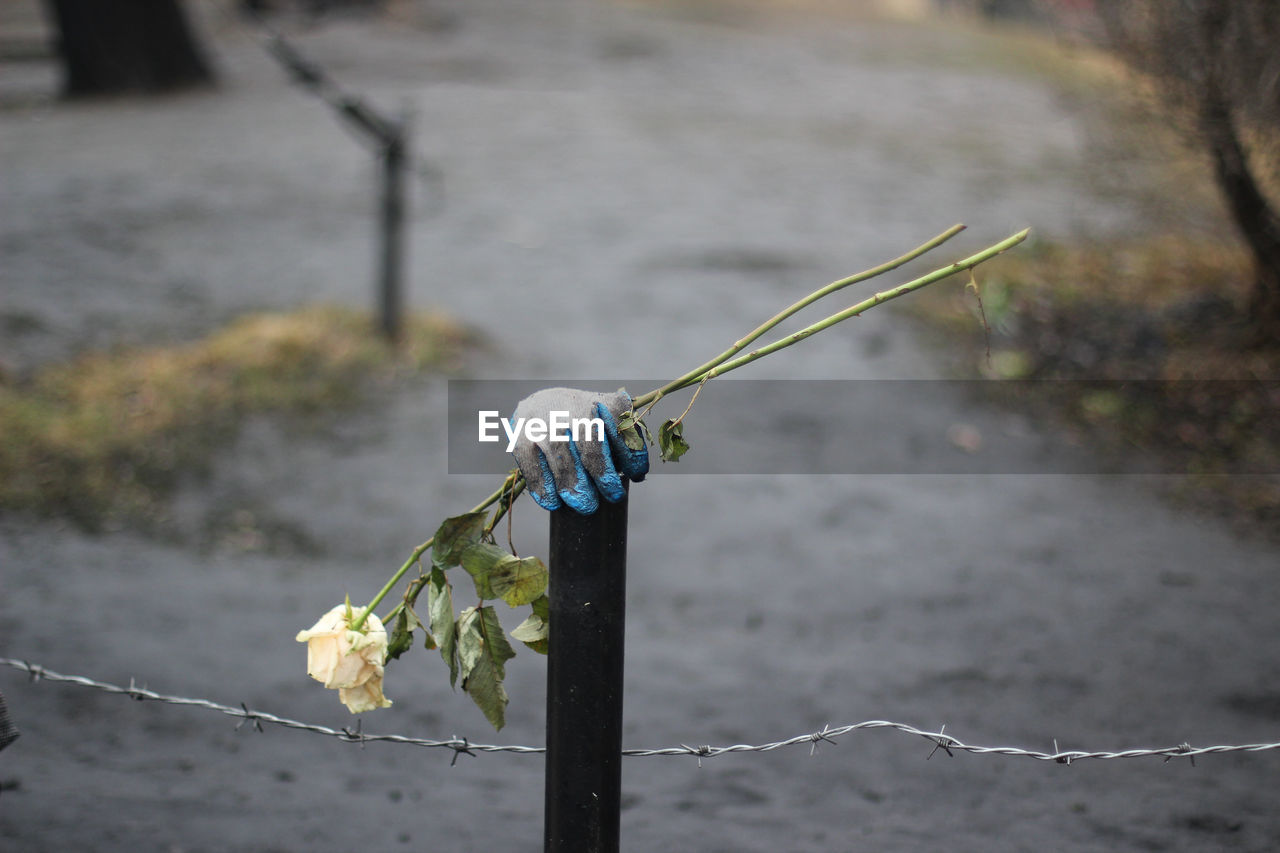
[
  {"x": 584, "y": 680},
  {"x": 391, "y": 266}
]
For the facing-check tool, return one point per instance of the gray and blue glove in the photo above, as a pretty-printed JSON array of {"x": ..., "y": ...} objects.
[{"x": 577, "y": 472}]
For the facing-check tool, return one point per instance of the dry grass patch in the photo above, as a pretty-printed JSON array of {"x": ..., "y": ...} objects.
[{"x": 106, "y": 436}]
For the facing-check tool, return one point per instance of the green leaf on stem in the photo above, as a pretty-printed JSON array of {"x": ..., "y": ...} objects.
[
  {"x": 480, "y": 560},
  {"x": 518, "y": 580},
  {"x": 429, "y": 641},
  {"x": 629, "y": 432},
  {"x": 402, "y": 634},
  {"x": 454, "y": 536},
  {"x": 499, "y": 574},
  {"x": 534, "y": 631},
  {"x": 443, "y": 630},
  {"x": 671, "y": 441},
  {"x": 483, "y": 651}
]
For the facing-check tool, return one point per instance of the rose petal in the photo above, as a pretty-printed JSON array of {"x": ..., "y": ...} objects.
[
  {"x": 323, "y": 654},
  {"x": 366, "y": 697},
  {"x": 334, "y": 620}
]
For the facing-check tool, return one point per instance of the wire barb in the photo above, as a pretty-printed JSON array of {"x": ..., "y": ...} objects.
[
  {"x": 1183, "y": 749},
  {"x": 1061, "y": 757},
  {"x": 355, "y": 735},
  {"x": 463, "y": 749},
  {"x": 941, "y": 742},
  {"x": 249, "y": 717},
  {"x": 824, "y": 735},
  {"x": 136, "y": 693}
]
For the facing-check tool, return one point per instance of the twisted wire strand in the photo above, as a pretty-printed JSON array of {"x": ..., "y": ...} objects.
[{"x": 828, "y": 734}]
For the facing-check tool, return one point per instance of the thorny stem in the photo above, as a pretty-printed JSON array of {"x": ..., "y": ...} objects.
[{"x": 514, "y": 484}]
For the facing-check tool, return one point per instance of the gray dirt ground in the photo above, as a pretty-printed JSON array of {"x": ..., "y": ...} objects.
[{"x": 624, "y": 190}]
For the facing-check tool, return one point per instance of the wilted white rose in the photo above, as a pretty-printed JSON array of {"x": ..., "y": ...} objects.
[{"x": 346, "y": 660}]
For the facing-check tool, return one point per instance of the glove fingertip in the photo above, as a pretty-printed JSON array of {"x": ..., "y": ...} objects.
[
  {"x": 583, "y": 503},
  {"x": 635, "y": 463},
  {"x": 549, "y": 501},
  {"x": 611, "y": 488}
]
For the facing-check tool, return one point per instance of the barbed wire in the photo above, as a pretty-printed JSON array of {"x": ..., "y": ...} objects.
[{"x": 463, "y": 746}]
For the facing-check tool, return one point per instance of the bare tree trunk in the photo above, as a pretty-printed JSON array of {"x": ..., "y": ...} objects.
[
  {"x": 127, "y": 46},
  {"x": 1254, "y": 216},
  {"x": 1216, "y": 60}
]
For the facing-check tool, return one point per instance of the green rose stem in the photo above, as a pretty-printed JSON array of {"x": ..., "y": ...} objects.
[
  {"x": 695, "y": 375},
  {"x": 721, "y": 366},
  {"x": 514, "y": 490},
  {"x": 511, "y": 489},
  {"x": 726, "y": 362}
]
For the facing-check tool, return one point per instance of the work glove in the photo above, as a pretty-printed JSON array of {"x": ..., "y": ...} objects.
[{"x": 577, "y": 473}]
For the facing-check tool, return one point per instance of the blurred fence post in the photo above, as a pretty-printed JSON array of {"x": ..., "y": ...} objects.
[
  {"x": 395, "y": 148},
  {"x": 584, "y": 680},
  {"x": 390, "y": 137}
]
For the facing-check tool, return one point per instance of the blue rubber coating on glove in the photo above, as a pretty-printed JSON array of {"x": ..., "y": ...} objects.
[
  {"x": 581, "y": 497},
  {"x": 579, "y": 472},
  {"x": 607, "y": 481}
]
